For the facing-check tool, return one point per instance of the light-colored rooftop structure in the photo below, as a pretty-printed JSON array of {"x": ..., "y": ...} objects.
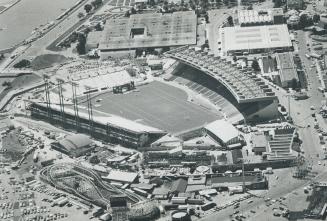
[
  {"x": 121, "y": 176},
  {"x": 242, "y": 84},
  {"x": 255, "y": 39},
  {"x": 149, "y": 30},
  {"x": 280, "y": 147},
  {"x": 223, "y": 130}
]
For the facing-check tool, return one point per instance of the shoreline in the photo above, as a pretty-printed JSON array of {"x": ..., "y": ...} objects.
[{"x": 7, "y": 8}]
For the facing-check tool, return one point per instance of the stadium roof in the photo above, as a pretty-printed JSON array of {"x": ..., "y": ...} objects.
[
  {"x": 224, "y": 130},
  {"x": 258, "y": 37},
  {"x": 149, "y": 30},
  {"x": 75, "y": 141},
  {"x": 122, "y": 176}
]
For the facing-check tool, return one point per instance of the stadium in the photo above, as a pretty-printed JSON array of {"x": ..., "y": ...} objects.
[{"x": 151, "y": 109}]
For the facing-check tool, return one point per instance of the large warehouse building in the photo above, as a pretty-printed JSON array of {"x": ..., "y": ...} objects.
[
  {"x": 258, "y": 39},
  {"x": 140, "y": 31}
]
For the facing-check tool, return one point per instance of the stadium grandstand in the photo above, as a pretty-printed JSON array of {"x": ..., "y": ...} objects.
[
  {"x": 241, "y": 83},
  {"x": 106, "y": 126},
  {"x": 280, "y": 147}
]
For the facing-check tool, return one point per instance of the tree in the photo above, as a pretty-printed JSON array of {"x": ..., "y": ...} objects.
[
  {"x": 96, "y": 3},
  {"x": 294, "y": 84},
  {"x": 234, "y": 58},
  {"x": 94, "y": 159},
  {"x": 81, "y": 44},
  {"x": 98, "y": 27},
  {"x": 277, "y": 3},
  {"x": 87, "y": 8},
  {"x": 23, "y": 64},
  {"x": 305, "y": 21},
  {"x": 133, "y": 11},
  {"x": 255, "y": 65},
  {"x": 2, "y": 57},
  {"x": 316, "y": 18},
  {"x": 230, "y": 21},
  {"x": 6, "y": 84},
  {"x": 80, "y": 15}
]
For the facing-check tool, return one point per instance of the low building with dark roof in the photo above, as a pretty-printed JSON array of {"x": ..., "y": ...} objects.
[
  {"x": 179, "y": 186},
  {"x": 74, "y": 146}
]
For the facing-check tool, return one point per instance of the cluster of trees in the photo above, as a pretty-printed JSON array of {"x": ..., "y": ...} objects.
[
  {"x": 22, "y": 64},
  {"x": 255, "y": 65},
  {"x": 6, "y": 84},
  {"x": 277, "y": 3},
  {"x": 81, "y": 43},
  {"x": 305, "y": 21},
  {"x": 96, "y": 3}
]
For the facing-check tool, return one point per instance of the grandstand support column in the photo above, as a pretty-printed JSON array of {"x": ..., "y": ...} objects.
[
  {"x": 75, "y": 104},
  {"x": 47, "y": 95},
  {"x": 89, "y": 109},
  {"x": 61, "y": 101}
]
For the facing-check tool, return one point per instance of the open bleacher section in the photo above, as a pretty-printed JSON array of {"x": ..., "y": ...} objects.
[
  {"x": 242, "y": 83},
  {"x": 280, "y": 147},
  {"x": 209, "y": 89}
]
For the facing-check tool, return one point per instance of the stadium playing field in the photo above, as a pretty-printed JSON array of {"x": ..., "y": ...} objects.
[{"x": 156, "y": 104}]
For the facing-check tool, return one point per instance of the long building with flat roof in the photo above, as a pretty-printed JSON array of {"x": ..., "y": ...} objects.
[
  {"x": 153, "y": 30},
  {"x": 256, "y": 39}
]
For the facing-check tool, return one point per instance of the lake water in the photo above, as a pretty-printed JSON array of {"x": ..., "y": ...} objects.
[{"x": 17, "y": 23}]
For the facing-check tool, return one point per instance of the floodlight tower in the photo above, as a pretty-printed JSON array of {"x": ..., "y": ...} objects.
[
  {"x": 75, "y": 104},
  {"x": 89, "y": 109},
  {"x": 47, "y": 95},
  {"x": 61, "y": 101}
]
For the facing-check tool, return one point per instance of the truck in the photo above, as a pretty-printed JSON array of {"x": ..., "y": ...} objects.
[
  {"x": 36, "y": 156},
  {"x": 63, "y": 202}
]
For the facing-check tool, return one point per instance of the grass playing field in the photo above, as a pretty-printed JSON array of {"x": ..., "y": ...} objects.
[{"x": 156, "y": 104}]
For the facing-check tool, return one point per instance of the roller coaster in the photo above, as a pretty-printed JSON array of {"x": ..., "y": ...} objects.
[{"x": 84, "y": 183}]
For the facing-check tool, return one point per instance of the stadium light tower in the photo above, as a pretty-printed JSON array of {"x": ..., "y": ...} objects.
[
  {"x": 75, "y": 104},
  {"x": 61, "y": 101},
  {"x": 89, "y": 109},
  {"x": 47, "y": 95}
]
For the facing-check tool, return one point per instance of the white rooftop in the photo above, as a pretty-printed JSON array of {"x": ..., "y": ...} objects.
[
  {"x": 223, "y": 130},
  {"x": 122, "y": 176},
  {"x": 256, "y": 37}
]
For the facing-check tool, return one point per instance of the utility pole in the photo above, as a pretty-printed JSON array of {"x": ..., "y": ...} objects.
[{"x": 243, "y": 175}]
